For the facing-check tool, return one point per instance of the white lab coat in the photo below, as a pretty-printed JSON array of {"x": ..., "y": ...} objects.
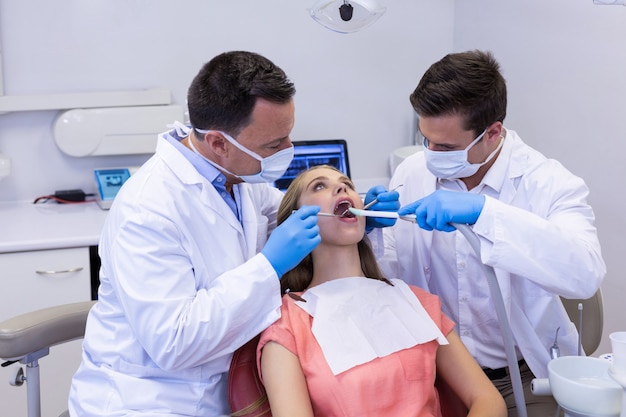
[
  {"x": 539, "y": 236},
  {"x": 182, "y": 287}
]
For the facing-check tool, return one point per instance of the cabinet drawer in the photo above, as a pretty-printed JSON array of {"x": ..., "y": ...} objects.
[{"x": 38, "y": 279}]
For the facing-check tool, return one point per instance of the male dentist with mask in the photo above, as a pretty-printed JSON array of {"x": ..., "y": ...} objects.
[
  {"x": 531, "y": 215},
  {"x": 191, "y": 253}
]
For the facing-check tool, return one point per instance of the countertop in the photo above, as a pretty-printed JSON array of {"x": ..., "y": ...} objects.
[{"x": 25, "y": 226}]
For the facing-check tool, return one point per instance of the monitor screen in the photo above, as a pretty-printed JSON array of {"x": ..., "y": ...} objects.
[{"x": 308, "y": 153}]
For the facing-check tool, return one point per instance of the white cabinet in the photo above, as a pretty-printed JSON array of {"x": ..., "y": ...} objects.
[{"x": 32, "y": 280}]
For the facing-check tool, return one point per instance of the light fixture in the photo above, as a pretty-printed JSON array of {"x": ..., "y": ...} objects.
[{"x": 346, "y": 16}]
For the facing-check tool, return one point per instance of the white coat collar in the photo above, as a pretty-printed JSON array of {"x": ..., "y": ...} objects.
[{"x": 189, "y": 175}]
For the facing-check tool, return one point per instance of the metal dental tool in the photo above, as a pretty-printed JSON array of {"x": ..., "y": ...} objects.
[
  {"x": 371, "y": 203},
  {"x": 580, "y": 329},
  {"x": 324, "y": 214},
  {"x": 555, "y": 352},
  {"x": 328, "y": 214},
  {"x": 374, "y": 201}
]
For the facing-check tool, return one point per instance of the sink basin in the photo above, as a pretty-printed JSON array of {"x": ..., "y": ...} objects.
[{"x": 582, "y": 386}]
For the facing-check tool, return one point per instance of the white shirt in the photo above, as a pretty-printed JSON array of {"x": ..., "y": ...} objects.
[
  {"x": 536, "y": 230},
  {"x": 182, "y": 287}
]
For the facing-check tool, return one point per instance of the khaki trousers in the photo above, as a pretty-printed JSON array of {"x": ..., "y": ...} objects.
[{"x": 536, "y": 406}]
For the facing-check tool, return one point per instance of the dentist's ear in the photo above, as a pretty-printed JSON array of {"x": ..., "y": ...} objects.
[
  {"x": 217, "y": 144},
  {"x": 494, "y": 132}
]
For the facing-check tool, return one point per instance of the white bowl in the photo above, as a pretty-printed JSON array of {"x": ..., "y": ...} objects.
[{"x": 582, "y": 385}]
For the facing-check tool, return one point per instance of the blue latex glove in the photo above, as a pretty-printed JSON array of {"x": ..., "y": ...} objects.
[
  {"x": 294, "y": 239},
  {"x": 439, "y": 209},
  {"x": 387, "y": 201}
]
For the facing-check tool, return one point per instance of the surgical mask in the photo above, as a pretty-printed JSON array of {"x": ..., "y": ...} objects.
[
  {"x": 454, "y": 164},
  {"x": 272, "y": 167}
]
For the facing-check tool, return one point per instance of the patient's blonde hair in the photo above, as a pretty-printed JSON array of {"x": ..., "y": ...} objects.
[{"x": 299, "y": 278}]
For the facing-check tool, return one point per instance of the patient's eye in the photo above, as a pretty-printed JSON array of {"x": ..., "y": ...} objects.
[{"x": 318, "y": 185}]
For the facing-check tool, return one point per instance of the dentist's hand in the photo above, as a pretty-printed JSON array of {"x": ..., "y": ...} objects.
[
  {"x": 294, "y": 239},
  {"x": 439, "y": 209},
  {"x": 387, "y": 201}
]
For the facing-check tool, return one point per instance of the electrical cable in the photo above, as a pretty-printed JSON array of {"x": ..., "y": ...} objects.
[
  {"x": 66, "y": 197},
  {"x": 505, "y": 327}
]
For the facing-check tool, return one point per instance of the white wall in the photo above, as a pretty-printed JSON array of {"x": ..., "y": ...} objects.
[
  {"x": 352, "y": 86},
  {"x": 565, "y": 65},
  {"x": 564, "y": 61}
]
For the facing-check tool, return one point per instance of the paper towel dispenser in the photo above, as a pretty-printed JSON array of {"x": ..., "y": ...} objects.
[{"x": 113, "y": 130}]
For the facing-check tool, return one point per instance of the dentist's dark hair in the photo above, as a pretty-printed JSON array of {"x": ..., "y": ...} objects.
[
  {"x": 223, "y": 93},
  {"x": 468, "y": 84},
  {"x": 299, "y": 278}
]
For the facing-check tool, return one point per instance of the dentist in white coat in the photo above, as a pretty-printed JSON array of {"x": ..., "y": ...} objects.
[
  {"x": 188, "y": 272},
  {"x": 531, "y": 215}
]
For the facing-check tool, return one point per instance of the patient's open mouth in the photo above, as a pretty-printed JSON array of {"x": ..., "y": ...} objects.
[{"x": 342, "y": 209}]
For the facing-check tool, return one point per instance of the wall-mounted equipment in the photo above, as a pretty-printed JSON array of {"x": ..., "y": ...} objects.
[
  {"x": 108, "y": 183},
  {"x": 346, "y": 16},
  {"x": 60, "y": 101},
  {"x": 39, "y": 102},
  {"x": 113, "y": 130}
]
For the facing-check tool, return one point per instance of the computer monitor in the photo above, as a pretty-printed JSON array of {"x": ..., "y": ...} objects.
[{"x": 308, "y": 153}]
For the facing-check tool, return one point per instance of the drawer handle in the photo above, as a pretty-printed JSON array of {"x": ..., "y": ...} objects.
[{"x": 63, "y": 271}]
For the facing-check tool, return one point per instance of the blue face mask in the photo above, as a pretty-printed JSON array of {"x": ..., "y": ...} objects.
[
  {"x": 454, "y": 164},
  {"x": 272, "y": 167}
]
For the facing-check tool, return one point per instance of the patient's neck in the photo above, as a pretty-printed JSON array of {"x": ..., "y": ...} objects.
[{"x": 333, "y": 262}]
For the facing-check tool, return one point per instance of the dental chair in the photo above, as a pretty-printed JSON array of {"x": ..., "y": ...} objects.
[
  {"x": 589, "y": 321},
  {"x": 588, "y": 317},
  {"x": 28, "y": 337},
  {"x": 247, "y": 397}
]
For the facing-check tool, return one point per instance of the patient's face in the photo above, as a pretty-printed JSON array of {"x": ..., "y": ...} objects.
[{"x": 334, "y": 193}]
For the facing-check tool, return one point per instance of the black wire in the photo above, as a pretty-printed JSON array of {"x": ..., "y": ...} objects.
[{"x": 45, "y": 198}]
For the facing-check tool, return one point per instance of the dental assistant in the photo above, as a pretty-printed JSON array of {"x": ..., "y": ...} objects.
[
  {"x": 188, "y": 271},
  {"x": 531, "y": 215}
]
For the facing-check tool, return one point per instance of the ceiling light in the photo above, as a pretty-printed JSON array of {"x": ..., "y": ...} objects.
[{"x": 346, "y": 16}]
